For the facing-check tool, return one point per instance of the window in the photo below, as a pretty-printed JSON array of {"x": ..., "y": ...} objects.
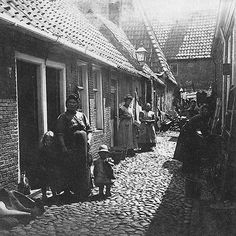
[
  {"x": 98, "y": 101},
  {"x": 80, "y": 77},
  {"x": 174, "y": 68},
  {"x": 82, "y": 84}
]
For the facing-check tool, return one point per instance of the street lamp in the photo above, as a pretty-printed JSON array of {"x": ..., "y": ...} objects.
[{"x": 141, "y": 54}]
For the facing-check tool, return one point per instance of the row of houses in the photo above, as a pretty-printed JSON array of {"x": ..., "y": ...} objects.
[
  {"x": 186, "y": 41},
  {"x": 49, "y": 49}
]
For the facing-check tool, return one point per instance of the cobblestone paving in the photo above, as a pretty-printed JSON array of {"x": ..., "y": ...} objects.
[{"x": 147, "y": 199}]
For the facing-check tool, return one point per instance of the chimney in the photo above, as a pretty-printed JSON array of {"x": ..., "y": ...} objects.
[{"x": 114, "y": 11}]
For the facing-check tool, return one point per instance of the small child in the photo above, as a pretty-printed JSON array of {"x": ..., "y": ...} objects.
[
  {"x": 103, "y": 172},
  {"x": 47, "y": 164}
]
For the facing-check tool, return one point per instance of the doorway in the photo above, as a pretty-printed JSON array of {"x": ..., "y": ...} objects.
[
  {"x": 28, "y": 113},
  {"x": 114, "y": 112},
  {"x": 53, "y": 96}
]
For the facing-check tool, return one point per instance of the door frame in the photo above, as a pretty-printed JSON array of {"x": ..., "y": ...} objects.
[
  {"x": 41, "y": 90},
  {"x": 113, "y": 140}
]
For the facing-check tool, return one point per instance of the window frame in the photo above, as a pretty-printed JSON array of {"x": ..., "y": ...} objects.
[
  {"x": 172, "y": 70},
  {"x": 83, "y": 90},
  {"x": 98, "y": 98},
  {"x": 42, "y": 90}
]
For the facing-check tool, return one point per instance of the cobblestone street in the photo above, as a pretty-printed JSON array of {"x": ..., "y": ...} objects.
[{"x": 147, "y": 199}]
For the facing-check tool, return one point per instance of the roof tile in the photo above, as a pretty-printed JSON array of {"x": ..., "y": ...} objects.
[
  {"x": 59, "y": 18},
  {"x": 195, "y": 30}
]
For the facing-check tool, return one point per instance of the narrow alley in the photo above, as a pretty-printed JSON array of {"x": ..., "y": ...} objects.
[
  {"x": 85, "y": 80},
  {"x": 147, "y": 199}
]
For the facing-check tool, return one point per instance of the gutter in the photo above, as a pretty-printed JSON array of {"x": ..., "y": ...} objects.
[{"x": 62, "y": 42}]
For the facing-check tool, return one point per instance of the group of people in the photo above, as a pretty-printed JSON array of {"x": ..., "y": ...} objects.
[
  {"x": 64, "y": 159},
  {"x": 133, "y": 135}
]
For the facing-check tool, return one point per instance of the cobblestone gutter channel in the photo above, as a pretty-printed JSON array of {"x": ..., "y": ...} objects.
[{"x": 147, "y": 199}]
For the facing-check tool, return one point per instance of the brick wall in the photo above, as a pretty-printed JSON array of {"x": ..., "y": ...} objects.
[
  {"x": 8, "y": 117},
  {"x": 8, "y": 105},
  {"x": 8, "y": 143},
  {"x": 200, "y": 71},
  {"x": 100, "y": 136},
  {"x": 15, "y": 41}
]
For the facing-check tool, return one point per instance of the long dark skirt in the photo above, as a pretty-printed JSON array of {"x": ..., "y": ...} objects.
[
  {"x": 76, "y": 165},
  {"x": 189, "y": 149}
]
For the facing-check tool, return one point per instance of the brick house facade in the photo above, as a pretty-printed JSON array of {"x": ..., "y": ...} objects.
[
  {"x": 186, "y": 41},
  {"x": 193, "y": 74},
  {"x": 10, "y": 113},
  {"x": 40, "y": 66},
  {"x": 115, "y": 11}
]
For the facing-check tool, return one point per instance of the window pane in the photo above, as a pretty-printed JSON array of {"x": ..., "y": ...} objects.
[
  {"x": 80, "y": 76},
  {"x": 95, "y": 80}
]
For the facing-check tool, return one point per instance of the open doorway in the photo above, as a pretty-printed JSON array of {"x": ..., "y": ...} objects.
[
  {"x": 53, "y": 96},
  {"x": 28, "y": 113},
  {"x": 41, "y": 90}
]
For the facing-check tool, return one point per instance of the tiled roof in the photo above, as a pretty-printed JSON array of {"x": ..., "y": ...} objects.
[
  {"x": 120, "y": 35},
  {"x": 139, "y": 30},
  {"x": 188, "y": 37},
  {"x": 58, "y": 21},
  {"x": 126, "y": 47}
]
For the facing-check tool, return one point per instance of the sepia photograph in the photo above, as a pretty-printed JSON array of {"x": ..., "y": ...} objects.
[{"x": 117, "y": 117}]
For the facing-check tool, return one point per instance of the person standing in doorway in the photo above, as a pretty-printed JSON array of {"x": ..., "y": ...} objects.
[{"x": 125, "y": 133}]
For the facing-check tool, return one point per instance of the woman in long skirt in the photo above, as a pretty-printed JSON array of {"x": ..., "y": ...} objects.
[
  {"x": 74, "y": 136},
  {"x": 125, "y": 133},
  {"x": 147, "y": 137}
]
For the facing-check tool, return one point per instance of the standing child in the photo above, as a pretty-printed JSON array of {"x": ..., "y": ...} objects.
[
  {"x": 103, "y": 172},
  {"x": 50, "y": 172}
]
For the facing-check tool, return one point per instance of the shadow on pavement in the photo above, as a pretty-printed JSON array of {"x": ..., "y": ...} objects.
[{"x": 169, "y": 216}]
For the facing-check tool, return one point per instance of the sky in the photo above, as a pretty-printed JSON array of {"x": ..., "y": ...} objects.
[{"x": 172, "y": 8}]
